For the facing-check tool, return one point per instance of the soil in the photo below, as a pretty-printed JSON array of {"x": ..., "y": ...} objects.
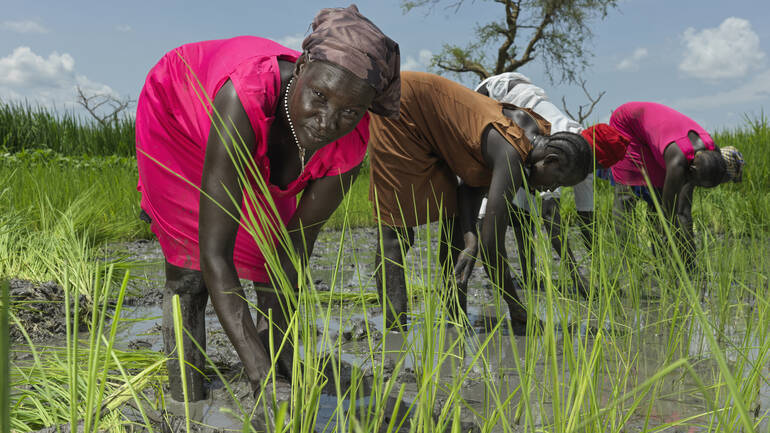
[{"x": 40, "y": 308}]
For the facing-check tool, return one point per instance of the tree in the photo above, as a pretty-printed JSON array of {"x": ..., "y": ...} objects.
[
  {"x": 103, "y": 107},
  {"x": 583, "y": 116},
  {"x": 555, "y": 31}
]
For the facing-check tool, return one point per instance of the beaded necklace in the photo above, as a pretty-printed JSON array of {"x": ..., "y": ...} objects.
[{"x": 291, "y": 125}]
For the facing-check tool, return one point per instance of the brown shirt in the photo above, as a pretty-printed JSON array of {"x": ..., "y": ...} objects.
[{"x": 437, "y": 136}]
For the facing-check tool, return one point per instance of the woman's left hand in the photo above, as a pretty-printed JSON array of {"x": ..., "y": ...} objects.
[{"x": 466, "y": 259}]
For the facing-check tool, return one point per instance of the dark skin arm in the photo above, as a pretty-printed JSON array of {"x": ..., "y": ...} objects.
[
  {"x": 684, "y": 218},
  {"x": 676, "y": 178},
  {"x": 523, "y": 226},
  {"x": 677, "y": 201},
  {"x": 468, "y": 203},
  {"x": 552, "y": 218},
  {"x": 218, "y": 226},
  {"x": 505, "y": 164}
]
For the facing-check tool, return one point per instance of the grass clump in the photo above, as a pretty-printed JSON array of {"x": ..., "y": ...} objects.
[{"x": 27, "y": 127}]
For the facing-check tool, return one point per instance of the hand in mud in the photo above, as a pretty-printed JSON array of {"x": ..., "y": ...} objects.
[
  {"x": 274, "y": 394},
  {"x": 465, "y": 262}
]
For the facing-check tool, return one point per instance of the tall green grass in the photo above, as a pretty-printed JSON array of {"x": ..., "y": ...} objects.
[
  {"x": 27, "y": 127},
  {"x": 35, "y": 132},
  {"x": 5, "y": 358},
  {"x": 83, "y": 383}
]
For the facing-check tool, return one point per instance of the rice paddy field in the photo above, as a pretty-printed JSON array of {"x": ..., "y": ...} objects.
[{"x": 653, "y": 349}]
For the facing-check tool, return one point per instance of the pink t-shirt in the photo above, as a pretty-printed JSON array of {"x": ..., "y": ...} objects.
[
  {"x": 172, "y": 128},
  {"x": 651, "y": 127}
]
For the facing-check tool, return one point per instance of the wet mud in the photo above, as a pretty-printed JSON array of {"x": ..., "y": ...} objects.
[
  {"x": 355, "y": 330},
  {"x": 41, "y": 311}
]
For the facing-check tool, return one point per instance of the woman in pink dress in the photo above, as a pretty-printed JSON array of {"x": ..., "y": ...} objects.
[
  {"x": 676, "y": 155},
  {"x": 301, "y": 119}
]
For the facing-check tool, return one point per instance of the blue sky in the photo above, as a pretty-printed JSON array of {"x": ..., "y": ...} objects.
[{"x": 707, "y": 58}]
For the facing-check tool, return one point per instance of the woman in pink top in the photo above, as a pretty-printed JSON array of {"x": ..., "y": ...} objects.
[
  {"x": 675, "y": 154},
  {"x": 301, "y": 117}
]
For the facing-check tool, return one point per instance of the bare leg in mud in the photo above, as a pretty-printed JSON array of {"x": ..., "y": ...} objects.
[
  {"x": 390, "y": 259},
  {"x": 623, "y": 204},
  {"x": 193, "y": 296}
]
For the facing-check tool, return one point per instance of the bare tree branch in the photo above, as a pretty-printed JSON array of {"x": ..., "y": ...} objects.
[
  {"x": 457, "y": 60},
  {"x": 581, "y": 117},
  {"x": 512, "y": 10},
  {"x": 527, "y": 56},
  {"x": 466, "y": 67},
  {"x": 94, "y": 103}
]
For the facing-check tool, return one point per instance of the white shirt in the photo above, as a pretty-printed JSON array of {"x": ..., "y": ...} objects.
[{"x": 526, "y": 95}]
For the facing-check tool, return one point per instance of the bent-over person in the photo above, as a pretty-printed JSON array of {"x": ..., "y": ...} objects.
[
  {"x": 517, "y": 89},
  {"x": 301, "y": 119},
  {"x": 445, "y": 131},
  {"x": 676, "y": 155}
]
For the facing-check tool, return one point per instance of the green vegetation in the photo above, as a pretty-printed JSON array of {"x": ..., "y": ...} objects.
[
  {"x": 58, "y": 208},
  {"x": 652, "y": 349},
  {"x": 26, "y": 127}
]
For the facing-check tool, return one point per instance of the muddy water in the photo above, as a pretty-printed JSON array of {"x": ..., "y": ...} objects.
[{"x": 480, "y": 384}]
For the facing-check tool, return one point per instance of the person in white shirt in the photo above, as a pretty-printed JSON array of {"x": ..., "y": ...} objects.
[{"x": 517, "y": 89}]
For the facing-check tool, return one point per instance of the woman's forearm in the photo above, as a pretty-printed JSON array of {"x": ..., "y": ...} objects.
[
  {"x": 492, "y": 245},
  {"x": 685, "y": 228},
  {"x": 227, "y": 298}
]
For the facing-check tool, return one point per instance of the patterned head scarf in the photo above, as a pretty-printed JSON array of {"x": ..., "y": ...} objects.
[
  {"x": 734, "y": 161},
  {"x": 609, "y": 144},
  {"x": 346, "y": 38}
]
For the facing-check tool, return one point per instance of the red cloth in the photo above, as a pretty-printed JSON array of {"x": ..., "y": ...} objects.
[
  {"x": 609, "y": 144},
  {"x": 172, "y": 129}
]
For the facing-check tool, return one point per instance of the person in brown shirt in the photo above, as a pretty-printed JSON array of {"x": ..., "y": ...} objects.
[{"x": 448, "y": 145}]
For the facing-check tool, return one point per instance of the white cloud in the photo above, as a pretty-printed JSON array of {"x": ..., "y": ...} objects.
[
  {"x": 632, "y": 62},
  {"x": 292, "y": 41},
  {"x": 754, "y": 90},
  {"x": 25, "y": 68},
  {"x": 123, "y": 28},
  {"x": 421, "y": 62},
  {"x": 49, "y": 81},
  {"x": 26, "y": 26},
  {"x": 728, "y": 51}
]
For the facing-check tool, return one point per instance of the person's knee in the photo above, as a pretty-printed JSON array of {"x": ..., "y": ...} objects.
[
  {"x": 183, "y": 281},
  {"x": 393, "y": 241}
]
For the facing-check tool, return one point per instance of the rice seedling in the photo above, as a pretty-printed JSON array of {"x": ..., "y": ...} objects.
[{"x": 75, "y": 384}]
